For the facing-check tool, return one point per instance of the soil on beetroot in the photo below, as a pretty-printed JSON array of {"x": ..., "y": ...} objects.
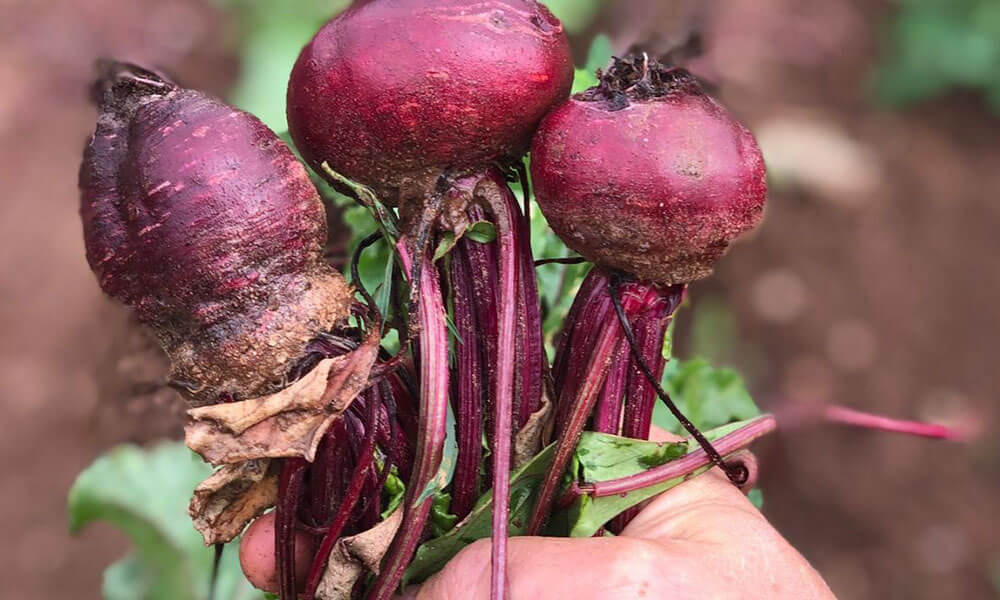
[{"x": 872, "y": 283}]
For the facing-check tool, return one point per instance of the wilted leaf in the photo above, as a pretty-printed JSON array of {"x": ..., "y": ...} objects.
[
  {"x": 534, "y": 436},
  {"x": 288, "y": 423},
  {"x": 233, "y": 496},
  {"x": 353, "y": 556}
]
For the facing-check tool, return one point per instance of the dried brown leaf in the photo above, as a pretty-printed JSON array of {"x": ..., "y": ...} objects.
[
  {"x": 288, "y": 423},
  {"x": 352, "y": 556},
  {"x": 535, "y": 434},
  {"x": 233, "y": 496}
]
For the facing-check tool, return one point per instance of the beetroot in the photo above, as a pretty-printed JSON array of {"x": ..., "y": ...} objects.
[
  {"x": 418, "y": 100},
  {"x": 648, "y": 174},
  {"x": 199, "y": 218},
  {"x": 394, "y": 91},
  {"x": 648, "y": 177}
]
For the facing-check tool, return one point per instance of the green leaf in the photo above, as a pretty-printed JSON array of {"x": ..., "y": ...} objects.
[
  {"x": 482, "y": 232},
  {"x": 432, "y": 555},
  {"x": 384, "y": 217},
  {"x": 145, "y": 492},
  {"x": 599, "y": 54},
  {"x": 668, "y": 338},
  {"x": 603, "y": 457},
  {"x": 576, "y": 15},
  {"x": 583, "y": 79},
  {"x": 599, "y": 457},
  {"x": 383, "y": 292},
  {"x": 448, "y": 460},
  {"x": 395, "y": 489},
  {"x": 446, "y": 243},
  {"x": 273, "y": 34},
  {"x": 441, "y": 520},
  {"x": 708, "y": 396}
]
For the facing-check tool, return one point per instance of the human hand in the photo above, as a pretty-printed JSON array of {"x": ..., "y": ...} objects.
[{"x": 702, "y": 539}]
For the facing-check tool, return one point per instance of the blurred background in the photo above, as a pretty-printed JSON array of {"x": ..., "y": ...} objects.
[{"x": 874, "y": 281}]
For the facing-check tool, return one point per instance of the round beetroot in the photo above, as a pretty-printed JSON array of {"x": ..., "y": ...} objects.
[
  {"x": 392, "y": 91},
  {"x": 648, "y": 174},
  {"x": 198, "y": 217}
]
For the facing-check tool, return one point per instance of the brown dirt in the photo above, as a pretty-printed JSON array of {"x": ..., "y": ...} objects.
[{"x": 872, "y": 283}]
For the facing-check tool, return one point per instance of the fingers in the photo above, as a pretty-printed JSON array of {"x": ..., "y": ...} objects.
[{"x": 540, "y": 568}]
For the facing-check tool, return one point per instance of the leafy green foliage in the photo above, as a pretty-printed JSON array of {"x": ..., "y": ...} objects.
[
  {"x": 576, "y": 15},
  {"x": 144, "y": 492},
  {"x": 441, "y": 521},
  {"x": 432, "y": 555},
  {"x": 598, "y": 457},
  {"x": 604, "y": 457},
  {"x": 935, "y": 46},
  {"x": 271, "y": 36},
  {"x": 708, "y": 396},
  {"x": 395, "y": 489}
]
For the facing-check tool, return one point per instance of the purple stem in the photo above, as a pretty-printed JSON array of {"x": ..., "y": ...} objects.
[
  {"x": 289, "y": 491},
  {"x": 849, "y": 416},
  {"x": 608, "y": 412},
  {"x": 503, "y": 395},
  {"x": 582, "y": 404},
  {"x": 432, "y": 426},
  {"x": 485, "y": 282},
  {"x": 531, "y": 359},
  {"x": 593, "y": 315},
  {"x": 362, "y": 466},
  {"x": 689, "y": 463},
  {"x": 589, "y": 289},
  {"x": 641, "y": 396},
  {"x": 469, "y": 384}
]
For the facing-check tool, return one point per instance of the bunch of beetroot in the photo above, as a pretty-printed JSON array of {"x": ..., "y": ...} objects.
[{"x": 204, "y": 222}]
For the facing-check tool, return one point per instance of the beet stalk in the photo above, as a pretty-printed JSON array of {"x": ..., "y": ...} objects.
[{"x": 432, "y": 423}]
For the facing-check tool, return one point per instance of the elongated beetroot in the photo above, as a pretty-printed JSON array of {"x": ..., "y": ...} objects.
[
  {"x": 646, "y": 173},
  {"x": 394, "y": 91},
  {"x": 201, "y": 219}
]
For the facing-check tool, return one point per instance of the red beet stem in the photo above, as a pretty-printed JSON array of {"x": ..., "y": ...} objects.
[
  {"x": 531, "y": 346},
  {"x": 469, "y": 383},
  {"x": 856, "y": 418},
  {"x": 608, "y": 412},
  {"x": 358, "y": 478},
  {"x": 289, "y": 491},
  {"x": 432, "y": 426},
  {"x": 686, "y": 465},
  {"x": 503, "y": 396},
  {"x": 582, "y": 404},
  {"x": 735, "y": 474}
]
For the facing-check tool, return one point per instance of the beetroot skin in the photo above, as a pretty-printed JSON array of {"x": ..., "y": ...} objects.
[
  {"x": 648, "y": 174},
  {"x": 393, "y": 90},
  {"x": 199, "y": 218}
]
